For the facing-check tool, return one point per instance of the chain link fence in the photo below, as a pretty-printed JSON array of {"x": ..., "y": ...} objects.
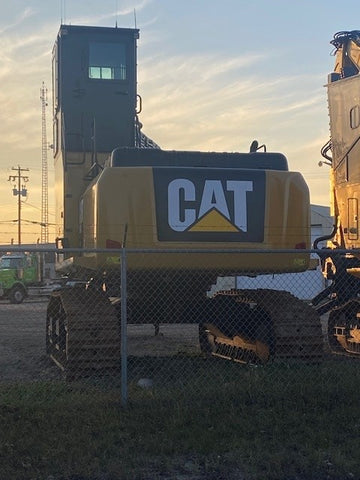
[{"x": 169, "y": 321}]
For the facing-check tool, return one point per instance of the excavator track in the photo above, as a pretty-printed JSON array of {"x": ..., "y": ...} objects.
[
  {"x": 252, "y": 326},
  {"x": 82, "y": 333},
  {"x": 344, "y": 329},
  {"x": 246, "y": 326}
]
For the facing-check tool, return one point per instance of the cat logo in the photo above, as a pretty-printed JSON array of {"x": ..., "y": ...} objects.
[
  {"x": 213, "y": 214},
  {"x": 227, "y": 205}
]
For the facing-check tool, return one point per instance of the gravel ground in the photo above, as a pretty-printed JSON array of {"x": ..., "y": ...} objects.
[{"x": 22, "y": 341}]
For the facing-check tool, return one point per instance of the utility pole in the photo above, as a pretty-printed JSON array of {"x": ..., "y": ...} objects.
[{"x": 20, "y": 191}]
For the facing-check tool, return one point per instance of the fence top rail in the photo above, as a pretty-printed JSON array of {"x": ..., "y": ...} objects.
[{"x": 121, "y": 251}]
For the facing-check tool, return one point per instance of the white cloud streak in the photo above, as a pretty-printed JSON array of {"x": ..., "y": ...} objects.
[
  {"x": 209, "y": 102},
  {"x": 27, "y": 13},
  {"x": 129, "y": 9}
]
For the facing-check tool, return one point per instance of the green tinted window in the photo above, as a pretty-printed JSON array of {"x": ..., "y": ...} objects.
[{"x": 107, "y": 61}]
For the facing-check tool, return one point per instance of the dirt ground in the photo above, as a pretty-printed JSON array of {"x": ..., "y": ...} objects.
[{"x": 22, "y": 341}]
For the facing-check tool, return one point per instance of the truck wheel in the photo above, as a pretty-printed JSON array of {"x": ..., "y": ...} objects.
[{"x": 17, "y": 295}]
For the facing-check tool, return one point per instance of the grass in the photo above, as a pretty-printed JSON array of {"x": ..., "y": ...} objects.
[{"x": 222, "y": 421}]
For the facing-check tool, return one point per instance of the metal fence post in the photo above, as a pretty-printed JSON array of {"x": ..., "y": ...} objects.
[{"x": 124, "y": 380}]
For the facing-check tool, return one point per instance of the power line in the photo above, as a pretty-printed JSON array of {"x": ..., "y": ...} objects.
[{"x": 27, "y": 204}]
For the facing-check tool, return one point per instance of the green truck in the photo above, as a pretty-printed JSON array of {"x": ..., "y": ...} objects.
[{"x": 18, "y": 271}]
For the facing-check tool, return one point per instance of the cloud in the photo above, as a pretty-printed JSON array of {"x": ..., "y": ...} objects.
[
  {"x": 128, "y": 8},
  {"x": 28, "y": 12},
  {"x": 213, "y": 102},
  {"x": 25, "y": 61},
  {"x": 193, "y": 68}
]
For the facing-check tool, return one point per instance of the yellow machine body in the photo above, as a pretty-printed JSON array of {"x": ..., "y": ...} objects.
[{"x": 122, "y": 208}]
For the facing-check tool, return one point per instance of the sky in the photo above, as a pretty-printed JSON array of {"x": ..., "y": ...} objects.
[{"x": 213, "y": 76}]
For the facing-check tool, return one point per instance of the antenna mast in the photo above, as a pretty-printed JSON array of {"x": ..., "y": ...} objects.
[{"x": 44, "y": 169}]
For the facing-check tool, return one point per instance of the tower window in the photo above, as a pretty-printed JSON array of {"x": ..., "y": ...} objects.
[{"x": 107, "y": 61}]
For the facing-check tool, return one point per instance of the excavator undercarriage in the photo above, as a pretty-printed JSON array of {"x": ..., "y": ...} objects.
[
  {"x": 344, "y": 329},
  {"x": 245, "y": 326},
  {"x": 252, "y": 326},
  {"x": 82, "y": 332},
  {"x": 341, "y": 301}
]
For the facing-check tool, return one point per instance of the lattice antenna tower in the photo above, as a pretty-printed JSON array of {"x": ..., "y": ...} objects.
[{"x": 44, "y": 169}]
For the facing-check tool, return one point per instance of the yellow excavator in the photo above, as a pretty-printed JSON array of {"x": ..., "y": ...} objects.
[
  {"x": 200, "y": 213},
  {"x": 342, "y": 154}
]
